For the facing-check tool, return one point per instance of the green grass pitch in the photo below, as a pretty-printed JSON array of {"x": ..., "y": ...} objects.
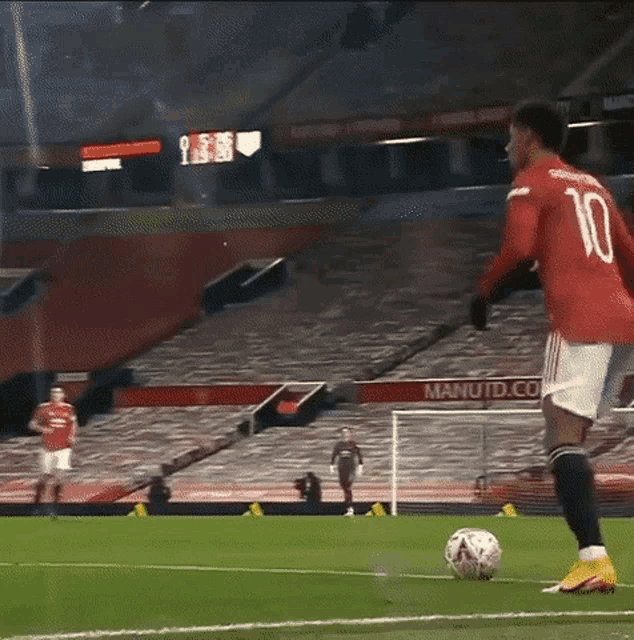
[{"x": 190, "y": 578}]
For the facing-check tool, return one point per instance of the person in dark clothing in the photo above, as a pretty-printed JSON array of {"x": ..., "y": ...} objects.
[
  {"x": 346, "y": 450},
  {"x": 309, "y": 488},
  {"x": 159, "y": 496}
]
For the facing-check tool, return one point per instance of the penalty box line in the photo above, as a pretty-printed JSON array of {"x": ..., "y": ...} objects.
[
  {"x": 250, "y": 626},
  {"x": 325, "y": 572}
]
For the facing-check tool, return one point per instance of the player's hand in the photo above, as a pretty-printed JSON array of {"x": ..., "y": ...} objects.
[
  {"x": 523, "y": 277},
  {"x": 332, "y": 468},
  {"x": 479, "y": 313},
  {"x": 360, "y": 470}
]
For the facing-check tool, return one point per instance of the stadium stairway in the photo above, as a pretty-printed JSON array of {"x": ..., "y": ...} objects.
[
  {"x": 244, "y": 283},
  {"x": 18, "y": 288}
]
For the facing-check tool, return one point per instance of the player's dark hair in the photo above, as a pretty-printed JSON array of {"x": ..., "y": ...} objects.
[{"x": 545, "y": 119}]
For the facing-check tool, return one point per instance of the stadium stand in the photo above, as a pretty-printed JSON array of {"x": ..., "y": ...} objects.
[
  {"x": 431, "y": 465},
  {"x": 365, "y": 321},
  {"x": 439, "y": 459},
  {"x": 120, "y": 448},
  {"x": 349, "y": 304},
  {"x": 513, "y": 345}
]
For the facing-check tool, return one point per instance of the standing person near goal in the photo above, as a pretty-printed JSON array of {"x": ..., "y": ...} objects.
[
  {"x": 56, "y": 421},
  {"x": 568, "y": 222},
  {"x": 346, "y": 450}
]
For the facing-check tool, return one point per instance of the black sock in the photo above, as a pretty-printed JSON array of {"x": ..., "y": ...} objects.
[
  {"x": 39, "y": 491},
  {"x": 574, "y": 483}
]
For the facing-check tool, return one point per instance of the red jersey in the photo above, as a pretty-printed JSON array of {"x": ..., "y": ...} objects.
[
  {"x": 567, "y": 221},
  {"x": 58, "y": 422}
]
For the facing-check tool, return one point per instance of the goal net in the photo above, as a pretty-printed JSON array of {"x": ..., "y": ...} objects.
[{"x": 477, "y": 457}]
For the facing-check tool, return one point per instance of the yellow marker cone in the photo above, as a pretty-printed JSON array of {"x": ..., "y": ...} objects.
[
  {"x": 254, "y": 510},
  {"x": 139, "y": 511},
  {"x": 508, "y": 511},
  {"x": 377, "y": 510}
]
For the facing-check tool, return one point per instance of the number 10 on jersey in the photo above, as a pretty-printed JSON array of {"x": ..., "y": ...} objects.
[
  {"x": 587, "y": 225},
  {"x": 207, "y": 148}
]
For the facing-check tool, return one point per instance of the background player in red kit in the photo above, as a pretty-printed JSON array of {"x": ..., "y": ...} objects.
[
  {"x": 57, "y": 422},
  {"x": 346, "y": 450},
  {"x": 568, "y": 222}
]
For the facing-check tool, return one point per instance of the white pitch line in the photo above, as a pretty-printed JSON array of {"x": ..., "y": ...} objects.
[
  {"x": 326, "y": 572},
  {"x": 249, "y": 626}
]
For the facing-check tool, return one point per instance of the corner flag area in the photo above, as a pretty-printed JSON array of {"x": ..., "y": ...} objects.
[{"x": 296, "y": 577}]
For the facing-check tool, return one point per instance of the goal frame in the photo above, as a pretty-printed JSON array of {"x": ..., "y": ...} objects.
[{"x": 440, "y": 411}]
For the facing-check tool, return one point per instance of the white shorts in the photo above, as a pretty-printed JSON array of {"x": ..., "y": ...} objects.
[
  {"x": 584, "y": 378},
  {"x": 55, "y": 460}
]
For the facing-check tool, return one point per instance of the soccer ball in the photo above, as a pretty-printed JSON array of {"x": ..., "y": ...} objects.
[{"x": 473, "y": 554}]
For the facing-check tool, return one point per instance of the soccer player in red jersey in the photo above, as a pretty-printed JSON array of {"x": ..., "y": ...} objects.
[
  {"x": 566, "y": 221},
  {"x": 57, "y": 422},
  {"x": 346, "y": 450}
]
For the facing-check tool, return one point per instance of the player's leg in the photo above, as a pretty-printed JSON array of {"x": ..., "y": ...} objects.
[
  {"x": 574, "y": 478},
  {"x": 61, "y": 468},
  {"x": 574, "y": 378},
  {"x": 347, "y": 494},
  {"x": 45, "y": 463},
  {"x": 58, "y": 484},
  {"x": 40, "y": 488},
  {"x": 345, "y": 480}
]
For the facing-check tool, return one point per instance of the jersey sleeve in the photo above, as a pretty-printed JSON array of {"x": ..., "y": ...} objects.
[
  {"x": 72, "y": 419},
  {"x": 519, "y": 242},
  {"x": 358, "y": 452},
  {"x": 624, "y": 251},
  {"x": 38, "y": 415}
]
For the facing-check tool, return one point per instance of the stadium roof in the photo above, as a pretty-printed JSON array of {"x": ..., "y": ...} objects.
[{"x": 102, "y": 69}]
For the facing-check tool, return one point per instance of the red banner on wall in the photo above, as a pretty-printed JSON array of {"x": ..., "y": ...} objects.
[
  {"x": 450, "y": 390},
  {"x": 375, "y": 129},
  {"x": 459, "y": 119}
]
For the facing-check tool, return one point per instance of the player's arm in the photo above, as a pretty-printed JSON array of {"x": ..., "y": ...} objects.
[
  {"x": 516, "y": 257},
  {"x": 358, "y": 452},
  {"x": 333, "y": 458},
  {"x": 518, "y": 244},
  {"x": 34, "y": 423},
  {"x": 72, "y": 438}
]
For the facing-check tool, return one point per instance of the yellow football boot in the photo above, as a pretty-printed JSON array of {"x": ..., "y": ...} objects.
[{"x": 587, "y": 577}]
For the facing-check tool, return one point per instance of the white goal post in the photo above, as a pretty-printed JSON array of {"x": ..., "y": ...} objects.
[{"x": 484, "y": 451}]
